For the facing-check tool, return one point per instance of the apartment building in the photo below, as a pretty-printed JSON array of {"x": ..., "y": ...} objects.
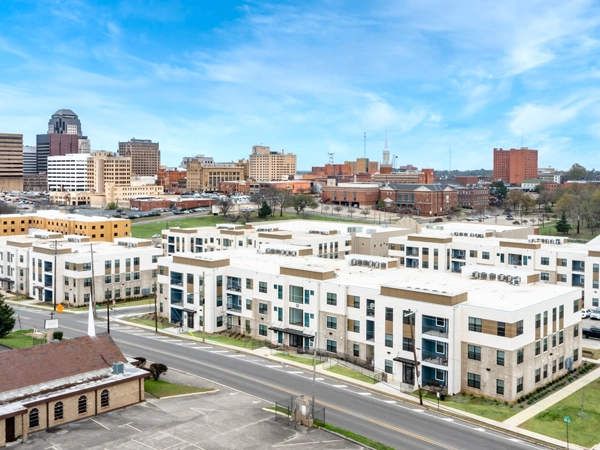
[
  {"x": 474, "y": 197},
  {"x": 11, "y": 162},
  {"x": 265, "y": 165},
  {"x": 68, "y": 173},
  {"x": 73, "y": 269},
  {"x": 325, "y": 239},
  {"x": 144, "y": 154},
  {"x": 96, "y": 228},
  {"x": 498, "y": 340},
  {"x": 449, "y": 249},
  {"x": 515, "y": 165}
]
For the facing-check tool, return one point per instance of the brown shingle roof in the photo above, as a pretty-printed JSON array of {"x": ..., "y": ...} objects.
[{"x": 44, "y": 363}]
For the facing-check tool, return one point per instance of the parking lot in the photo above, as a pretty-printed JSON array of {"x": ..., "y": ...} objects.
[
  {"x": 590, "y": 343},
  {"x": 226, "y": 419}
]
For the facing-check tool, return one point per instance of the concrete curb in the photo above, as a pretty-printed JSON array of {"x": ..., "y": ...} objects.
[{"x": 214, "y": 391}]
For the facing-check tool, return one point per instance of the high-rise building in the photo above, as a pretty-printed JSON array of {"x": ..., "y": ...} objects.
[
  {"x": 266, "y": 165},
  {"x": 107, "y": 167},
  {"x": 11, "y": 162},
  {"x": 29, "y": 160},
  {"x": 54, "y": 145},
  {"x": 64, "y": 121},
  {"x": 68, "y": 173},
  {"x": 144, "y": 154},
  {"x": 515, "y": 165}
]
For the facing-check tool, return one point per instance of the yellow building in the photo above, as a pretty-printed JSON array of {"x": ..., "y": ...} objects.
[
  {"x": 107, "y": 168},
  {"x": 207, "y": 175},
  {"x": 96, "y": 228},
  {"x": 266, "y": 165}
]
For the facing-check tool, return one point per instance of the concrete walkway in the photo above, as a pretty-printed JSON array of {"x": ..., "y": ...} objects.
[{"x": 382, "y": 388}]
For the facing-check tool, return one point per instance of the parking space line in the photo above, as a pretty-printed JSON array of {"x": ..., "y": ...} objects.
[
  {"x": 104, "y": 426},
  {"x": 145, "y": 445},
  {"x": 182, "y": 440},
  {"x": 129, "y": 425}
]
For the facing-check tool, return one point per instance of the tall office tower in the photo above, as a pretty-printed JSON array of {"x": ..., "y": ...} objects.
[
  {"x": 54, "y": 145},
  {"x": 515, "y": 165},
  {"x": 29, "y": 160},
  {"x": 144, "y": 154},
  {"x": 108, "y": 168},
  {"x": 266, "y": 165},
  {"x": 64, "y": 121},
  {"x": 11, "y": 162},
  {"x": 68, "y": 173}
]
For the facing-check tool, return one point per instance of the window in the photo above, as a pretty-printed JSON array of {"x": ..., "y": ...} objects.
[
  {"x": 545, "y": 317},
  {"x": 475, "y": 324},
  {"x": 82, "y": 405},
  {"x": 538, "y": 320},
  {"x": 356, "y": 350},
  {"x": 407, "y": 344},
  {"x": 332, "y": 323},
  {"x": 262, "y": 287},
  {"x": 519, "y": 356},
  {"x": 136, "y": 290},
  {"x": 107, "y": 264},
  {"x": 575, "y": 354},
  {"x": 440, "y": 347},
  {"x": 537, "y": 348},
  {"x": 576, "y": 330},
  {"x": 501, "y": 330},
  {"x": 248, "y": 283},
  {"x": 219, "y": 280},
  {"x": 118, "y": 278},
  {"x": 545, "y": 370},
  {"x": 575, "y": 305},
  {"x": 545, "y": 344},
  {"x": 34, "y": 418},
  {"x": 190, "y": 298},
  {"x": 500, "y": 357},
  {"x": 220, "y": 321},
  {"x": 425, "y": 251},
  {"x": 248, "y": 303},
  {"x": 519, "y": 384},
  {"x": 262, "y": 330},
  {"x": 331, "y": 346},
  {"x": 262, "y": 309},
  {"x": 545, "y": 261},
  {"x": 561, "y": 363},
  {"x": 107, "y": 279},
  {"x": 561, "y": 277},
  {"x": 554, "y": 340},
  {"x": 500, "y": 387},
  {"x": 538, "y": 375},
  {"x": 128, "y": 276},
  {"x": 136, "y": 275},
  {"x": 474, "y": 352},
  {"x": 519, "y": 327},
  {"x": 355, "y": 302},
  {"x": 545, "y": 276},
  {"x": 331, "y": 299},
  {"x": 561, "y": 337},
  {"x": 58, "y": 411},
  {"x": 561, "y": 311},
  {"x": 389, "y": 314},
  {"x": 554, "y": 366},
  {"x": 389, "y": 340},
  {"x": 562, "y": 262},
  {"x": 295, "y": 316},
  {"x": 136, "y": 261},
  {"x": 473, "y": 380},
  {"x": 389, "y": 366},
  {"x": 296, "y": 294},
  {"x": 485, "y": 255}
]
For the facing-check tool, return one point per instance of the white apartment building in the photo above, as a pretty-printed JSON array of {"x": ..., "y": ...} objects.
[
  {"x": 486, "y": 337},
  {"x": 556, "y": 260},
  {"x": 68, "y": 173},
  {"x": 326, "y": 239},
  {"x": 47, "y": 266}
]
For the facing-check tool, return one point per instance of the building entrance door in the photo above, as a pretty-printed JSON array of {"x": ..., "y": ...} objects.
[{"x": 10, "y": 429}]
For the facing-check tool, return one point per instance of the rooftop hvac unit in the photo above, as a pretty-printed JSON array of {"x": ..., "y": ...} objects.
[
  {"x": 492, "y": 276},
  {"x": 118, "y": 368},
  {"x": 377, "y": 265},
  {"x": 558, "y": 242},
  {"x": 294, "y": 253},
  {"x": 370, "y": 263},
  {"x": 475, "y": 275},
  {"x": 509, "y": 278},
  {"x": 359, "y": 262},
  {"x": 483, "y": 276},
  {"x": 353, "y": 262},
  {"x": 383, "y": 265}
]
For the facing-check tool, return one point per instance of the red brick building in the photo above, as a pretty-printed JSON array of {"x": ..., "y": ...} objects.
[
  {"x": 515, "y": 165},
  {"x": 172, "y": 179},
  {"x": 427, "y": 200},
  {"x": 475, "y": 197}
]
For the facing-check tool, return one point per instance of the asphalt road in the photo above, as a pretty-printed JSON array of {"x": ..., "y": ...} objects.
[{"x": 397, "y": 424}]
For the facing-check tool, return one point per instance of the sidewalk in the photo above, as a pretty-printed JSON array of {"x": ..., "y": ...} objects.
[{"x": 388, "y": 390}]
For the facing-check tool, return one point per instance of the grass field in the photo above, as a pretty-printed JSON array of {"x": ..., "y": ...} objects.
[
  {"x": 583, "y": 429},
  {"x": 483, "y": 407},
  {"x": 148, "y": 322},
  {"x": 299, "y": 359},
  {"x": 341, "y": 370},
  {"x": 18, "y": 339},
  {"x": 595, "y": 354},
  {"x": 160, "y": 388}
]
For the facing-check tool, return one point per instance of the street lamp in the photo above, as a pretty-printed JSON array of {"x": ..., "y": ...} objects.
[
  {"x": 107, "y": 296},
  {"x": 567, "y": 420}
]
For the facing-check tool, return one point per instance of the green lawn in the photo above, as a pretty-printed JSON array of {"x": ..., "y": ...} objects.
[
  {"x": 477, "y": 405},
  {"x": 148, "y": 322},
  {"x": 341, "y": 370},
  {"x": 160, "y": 388},
  {"x": 582, "y": 430},
  {"x": 18, "y": 339},
  {"x": 299, "y": 359},
  {"x": 595, "y": 353}
]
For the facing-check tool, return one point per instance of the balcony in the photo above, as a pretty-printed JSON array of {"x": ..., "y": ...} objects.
[
  {"x": 577, "y": 280},
  {"x": 412, "y": 251},
  {"x": 234, "y": 287},
  {"x": 435, "y": 358},
  {"x": 458, "y": 254},
  {"x": 435, "y": 327},
  {"x": 235, "y": 307},
  {"x": 578, "y": 266}
]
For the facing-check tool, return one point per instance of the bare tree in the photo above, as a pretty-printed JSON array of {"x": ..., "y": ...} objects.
[
  {"x": 337, "y": 209},
  {"x": 350, "y": 211},
  {"x": 7, "y": 209},
  {"x": 325, "y": 208},
  {"x": 225, "y": 206},
  {"x": 246, "y": 215},
  {"x": 365, "y": 212}
]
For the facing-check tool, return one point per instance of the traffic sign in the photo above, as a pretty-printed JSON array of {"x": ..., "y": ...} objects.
[
  {"x": 50, "y": 324},
  {"x": 567, "y": 419},
  {"x": 60, "y": 308}
]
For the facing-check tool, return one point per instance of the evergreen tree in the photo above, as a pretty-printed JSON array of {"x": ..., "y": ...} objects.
[
  {"x": 265, "y": 210},
  {"x": 562, "y": 226},
  {"x": 7, "y": 321}
]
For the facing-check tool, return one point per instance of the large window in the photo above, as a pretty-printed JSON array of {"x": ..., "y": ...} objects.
[
  {"x": 331, "y": 299},
  {"x": 262, "y": 330},
  {"x": 475, "y": 324},
  {"x": 545, "y": 261},
  {"x": 474, "y": 352},
  {"x": 331, "y": 346},
  {"x": 474, "y": 380},
  {"x": 58, "y": 411},
  {"x": 262, "y": 287},
  {"x": 332, "y": 323},
  {"x": 296, "y": 294},
  {"x": 82, "y": 405},
  {"x": 500, "y": 357},
  {"x": 34, "y": 418},
  {"x": 262, "y": 309},
  {"x": 296, "y": 316}
]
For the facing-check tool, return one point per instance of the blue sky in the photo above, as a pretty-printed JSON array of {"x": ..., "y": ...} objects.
[{"x": 310, "y": 77}]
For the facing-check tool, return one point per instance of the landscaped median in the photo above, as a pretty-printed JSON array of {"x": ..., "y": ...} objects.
[{"x": 23, "y": 339}]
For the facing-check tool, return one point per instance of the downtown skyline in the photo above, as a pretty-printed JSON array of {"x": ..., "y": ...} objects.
[{"x": 310, "y": 78}]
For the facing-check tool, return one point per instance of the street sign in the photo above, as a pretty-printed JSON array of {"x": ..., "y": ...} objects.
[
  {"x": 50, "y": 324},
  {"x": 567, "y": 419},
  {"x": 60, "y": 308}
]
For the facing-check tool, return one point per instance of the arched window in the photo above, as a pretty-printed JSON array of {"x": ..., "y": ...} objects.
[
  {"x": 104, "y": 398},
  {"x": 82, "y": 405},
  {"x": 34, "y": 418},
  {"x": 58, "y": 411}
]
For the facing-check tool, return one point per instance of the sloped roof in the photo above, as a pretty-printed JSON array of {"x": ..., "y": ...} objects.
[
  {"x": 415, "y": 186},
  {"x": 53, "y": 361}
]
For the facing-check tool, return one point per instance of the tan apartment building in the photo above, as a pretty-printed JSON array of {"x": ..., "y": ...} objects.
[
  {"x": 144, "y": 154},
  {"x": 11, "y": 162},
  {"x": 205, "y": 175},
  {"x": 266, "y": 165},
  {"x": 108, "y": 168}
]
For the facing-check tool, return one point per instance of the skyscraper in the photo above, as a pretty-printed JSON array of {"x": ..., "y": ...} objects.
[
  {"x": 144, "y": 154},
  {"x": 11, "y": 162},
  {"x": 515, "y": 165},
  {"x": 266, "y": 165},
  {"x": 64, "y": 121},
  {"x": 29, "y": 160}
]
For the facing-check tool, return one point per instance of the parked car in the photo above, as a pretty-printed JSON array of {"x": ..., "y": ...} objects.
[
  {"x": 593, "y": 332},
  {"x": 156, "y": 236},
  {"x": 510, "y": 218},
  {"x": 585, "y": 313},
  {"x": 595, "y": 314}
]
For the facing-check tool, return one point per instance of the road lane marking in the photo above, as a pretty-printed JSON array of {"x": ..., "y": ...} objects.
[{"x": 339, "y": 385}]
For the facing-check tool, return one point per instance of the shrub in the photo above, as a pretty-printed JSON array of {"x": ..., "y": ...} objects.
[{"x": 58, "y": 335}]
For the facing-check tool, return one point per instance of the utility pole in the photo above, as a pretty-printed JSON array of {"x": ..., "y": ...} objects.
[
  {"x": 203, "y": 308},
  {"x": 314, "y": 374},
  {"x": 92, "y": 292},
  {"x": 54, "y": 277},
  {"x": 412, "y": 314},
  {"x": 155, "y": 309}
]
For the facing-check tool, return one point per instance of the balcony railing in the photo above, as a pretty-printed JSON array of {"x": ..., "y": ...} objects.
[
  {"x": 234, "y": 307},
  {"x": 435, "y": 358},
  {"x": 458, "y": 255},
  {"x": 435, "y": 332},
  {"x": 234, "y": 287}
]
